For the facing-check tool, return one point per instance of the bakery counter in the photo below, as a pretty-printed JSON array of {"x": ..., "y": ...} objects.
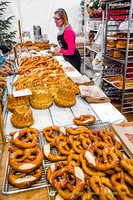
[{"x": 38, "y": 194}]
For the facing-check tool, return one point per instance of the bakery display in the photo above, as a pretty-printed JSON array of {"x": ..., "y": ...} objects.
[
  {"x": 22, "y": 117},
  {"x": 13, "y": 102},
  {"x": 41, "y": 98},
  {"x": 65, "y": 97}
]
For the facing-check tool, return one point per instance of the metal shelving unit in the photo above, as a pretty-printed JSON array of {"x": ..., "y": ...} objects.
[
  {"x": 119, "y": 11},
  {"x": 91, "y": 26}
]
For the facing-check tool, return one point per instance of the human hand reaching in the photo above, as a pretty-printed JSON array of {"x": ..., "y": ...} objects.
[{"x": 57, "y": 49}]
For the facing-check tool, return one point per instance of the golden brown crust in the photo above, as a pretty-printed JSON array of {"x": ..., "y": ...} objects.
[{"x": 22, "y": 117}]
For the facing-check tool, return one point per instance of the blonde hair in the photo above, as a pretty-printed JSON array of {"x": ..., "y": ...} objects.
[{"x": 62, "y": 13}]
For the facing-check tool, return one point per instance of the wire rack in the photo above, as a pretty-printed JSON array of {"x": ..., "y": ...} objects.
[
  {"x": 47, "y": 163},
  {"x": 8, "y": 189}
]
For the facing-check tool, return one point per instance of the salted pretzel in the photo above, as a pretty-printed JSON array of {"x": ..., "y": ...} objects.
[
  {"x": 77, "y": 130},
  {"x": 74, "y": 191},
  {"x": 24, "y": 180},
  {"x": 87, "y": 168},
  {"x": 26, "y": 160},
  {"x": 53, "y": 168},
  {"x": 108, "y": 158},
  {"x": 84, "y": 120},
  {"x": 47, "y": 153},
  {"x": 121, "y": 183},
  {"x": 49, "y": 132},
  {"x": 65, "y": 148},
  {"x": 25, "y": 138},
  {"x": 128, "y": 165},
  {"x": 102, "y": 186}
]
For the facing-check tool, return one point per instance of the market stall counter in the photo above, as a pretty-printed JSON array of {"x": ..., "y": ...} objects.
[{"x": 105, "y": 115}]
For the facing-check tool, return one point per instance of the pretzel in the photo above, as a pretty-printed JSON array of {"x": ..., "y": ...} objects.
[
  {"x": 24, "y": 180},
  {"x": 48, "y": 133},
  {"x": 79, "y": 185},
  {"x": 88, "y": 170},
  {"x": 53, "y": 168},
  {"x": 99, "y": 186},
  {"x": 128, "y": 165},
  {"x": 119, "y": 182},
  {"x": 77, "y": 130},
  {"x": 65, "y": 148},
  {"x": 26, "y": 160},
  {"x": 84, "y": 120},
  {"x": 108, "y": 158},
  {"x": 25, "y": 138},
  {"x": 47, "y": 153}
]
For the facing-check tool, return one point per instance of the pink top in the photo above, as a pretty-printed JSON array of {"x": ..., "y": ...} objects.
[{"x": 69, "y": 37}]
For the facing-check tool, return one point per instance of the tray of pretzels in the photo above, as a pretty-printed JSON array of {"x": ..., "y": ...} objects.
[
  {"x": 25, "y": 167},
  {"x": 86, "y": 162}
]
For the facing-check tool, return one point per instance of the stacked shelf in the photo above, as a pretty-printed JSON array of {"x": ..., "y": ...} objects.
[{"x": 116, "y": 13}]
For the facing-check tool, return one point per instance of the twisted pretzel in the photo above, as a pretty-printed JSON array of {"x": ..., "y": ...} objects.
[
  {"x": 24, "y": 180},
  {"x": 79, "y": 185},
  {"x": 49, "y": 155},
  {"x": 88, "y": 170},
  {"x": 26, "y": 160},
  {"x": 118, "y": 181},
  {"x": 49, "y": 133},
  {"x": 128, "y": 165},
  {"x": 84, "y": 120},
  {"x": 25, "y": 138},
  {"x": 77, "y": 130}
]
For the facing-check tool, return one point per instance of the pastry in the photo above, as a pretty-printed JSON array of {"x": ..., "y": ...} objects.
[
  {"x": 22, "y": 117},
  {"x": 13, "y": 102},
  {"x": 41, "y": 98},
  {"x": 111, "y": 43},
  {"x": 65, "y": 97},
  {"x": 121, "y": 44},
  {"x": 118, "y": 54}
]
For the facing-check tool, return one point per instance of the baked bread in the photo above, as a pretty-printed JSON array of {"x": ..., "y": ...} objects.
[
  {"x": 22, "y": 117},
  {"x": 111, "y": 52},
  {"x": 131, "y": 45},
  {"x": 65, "y": 97},
  {"x": 121, "y": 44},
  {"x": 111, "y": 43},
  {"x": 13, "y": 102},
  {"x": 118, "y": 54},
  {"x": 41, "y": 98}
]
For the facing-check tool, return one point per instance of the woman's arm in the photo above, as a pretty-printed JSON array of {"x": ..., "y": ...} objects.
[{"x": 69, "y": 37}]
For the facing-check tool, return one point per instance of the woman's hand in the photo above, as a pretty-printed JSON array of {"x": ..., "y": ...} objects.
[{"x": 57, "y": 49}]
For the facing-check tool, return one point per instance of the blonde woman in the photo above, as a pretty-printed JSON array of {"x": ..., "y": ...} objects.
[{"x": 66, "y": 39}]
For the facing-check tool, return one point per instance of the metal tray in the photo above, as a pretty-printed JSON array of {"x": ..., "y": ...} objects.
[
  {"x": 8, "y": 189},
  {"x": 47, "y": 163},
  {"x": 112, "y": 83}
]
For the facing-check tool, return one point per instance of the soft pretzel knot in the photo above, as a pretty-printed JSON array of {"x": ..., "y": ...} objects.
[
  {"x": 128, "y": 165},
  {"x": 24, "y": 180},
  {"x": 77, "y": 130},
  {"x": 74, "y": 191},
  {"x": 102, "y": 186},
  {"x": 123, "y": 185},
  {"x": 84, "y": 120},
  {"x": 48, "y": 154},
  {"x": 49, "y": 132},
  {"x": 53, "y": 168},
  {"x": 101, "y": 159},
  {"x": 26, "y": 160},
  {"x": 25, "y": 138}
]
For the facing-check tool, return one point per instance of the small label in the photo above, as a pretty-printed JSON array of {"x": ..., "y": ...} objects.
[
  {"x": 52, "y": 193},
  {"x": 20, "y": 93}
]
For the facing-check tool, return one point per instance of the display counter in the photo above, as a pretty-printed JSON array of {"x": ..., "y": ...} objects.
[{"x": 54, "y": 115}]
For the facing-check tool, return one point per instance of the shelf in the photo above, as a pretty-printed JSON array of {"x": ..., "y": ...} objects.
[{"x": 115, "y": 59}]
